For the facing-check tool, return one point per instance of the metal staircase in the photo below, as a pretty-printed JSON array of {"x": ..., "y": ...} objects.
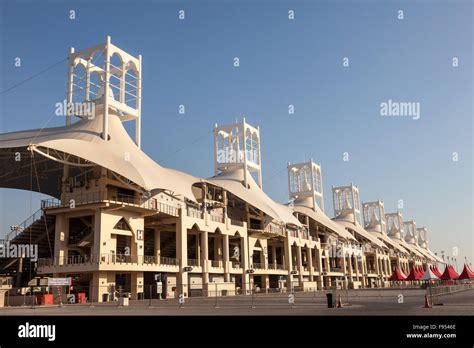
[{"x": 34, "y": 230}]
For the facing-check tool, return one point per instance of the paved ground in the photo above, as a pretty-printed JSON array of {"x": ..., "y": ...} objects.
[{"x": 356, "y": 303}]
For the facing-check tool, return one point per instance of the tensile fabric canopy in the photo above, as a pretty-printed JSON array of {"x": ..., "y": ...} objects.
[
  {"x": 396, "y": 275},
  {"x": 449, "y": 273},
  {"x": 466, "y": 273}
]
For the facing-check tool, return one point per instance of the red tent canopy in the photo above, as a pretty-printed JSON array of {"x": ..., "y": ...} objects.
[
  {"x": 449, "y": 273},
  {"x": 414, "y": 274},
  {"x": 436, "y": 271},
  {"x": 466, "y": 273},
  {"x": 396, "y": 275}
]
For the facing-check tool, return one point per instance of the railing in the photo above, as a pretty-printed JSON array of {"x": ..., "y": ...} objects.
[
  {"x": 105, "y": 259},
  {"x": 217, "y": 218},
  {"x": 256, "y": 226},
  {"x": 269, "y": 228},
  {"x": 216, "y": 263},
  {"x": 148, "y": 259},
  {"x": 449, "y": 289},
  {"x": 76, "y": 199},
  {"x": 169, "y": 261},
  {"x": 193, "y": 262},
  {"x": 8, "y": 281},
  {"x": 17, "y": 229},
  {"x": 302, "y": 234},
  {"x": 102, "y": 196},
  {"x": 236, "y": 222},
  {"x": 166, "y": 208},
  {"x": 368, "y": 248},
  {"x": 258, "y": 265},
  {"x": 276, "y": 266},
  {"x": 274, "y": 228},
  {"x": 236, "y": 264},
  {"x": 193, "y": 212}
]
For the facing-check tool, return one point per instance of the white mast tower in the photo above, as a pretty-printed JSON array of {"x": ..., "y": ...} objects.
[
  {"x": 109, "y": 77},
  {"x": 305, "y": 182},
  {"x": 238, "y": 146}
]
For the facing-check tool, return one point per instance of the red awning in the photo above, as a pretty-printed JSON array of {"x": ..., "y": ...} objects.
[
  {"x": 466, "y": 273},
  {"x": 436, "y": 271},
  {"x": 449, "y": 273},
  {"x": 414, "y": 274},
  {"x": 397, "y": 275},
  {"x": 420, "y": 271}
]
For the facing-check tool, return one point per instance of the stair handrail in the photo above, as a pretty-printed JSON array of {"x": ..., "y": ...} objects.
[{"x": 17, "y": 229}]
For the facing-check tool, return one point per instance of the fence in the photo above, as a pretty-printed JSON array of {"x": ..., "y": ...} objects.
[
  {"x": 169, "y": 294},
  {"x": 106, "y": 259},
  {"x": 105, "y": 196},
  {"x": 437, "y": 291}
]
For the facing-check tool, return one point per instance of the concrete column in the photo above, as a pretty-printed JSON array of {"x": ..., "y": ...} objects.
[
  {"x": 327, "y": 260},
  {"x": 364, "y": 271},
  {"x": 217, "y": 247},
  {"x": 137, "y": 285},
  {"x": 157, "y": 245},
  {"x": 274, "y": 255},
  {"x": 225, "y": 241},
  {"x": 319, "y": 260},
  {"x": 351, "y": 272},
  {"x": 266, "y": 282},
  {"x": 344, "y": 270},
  {"x": 182, "y": 254},
  {"x": 309, "y": 257},
  {"x": 376, "y": 259},
  {"x": 99, "y": 236},
  {"x": 224, "y": 200},
  {"x": 300, "y": 265},
  {"x": 205, "y": 258},
  {"x": 288, "y": 262},
  {"x": 204, "y": 202},
  {"x": 99, "y": 286},
  {"x": 244, "y": 260},
  {"x": 198, "y": 249},
  {"x": 61, "y": 239},
  {"x": 356, "y": 259},
  {"x": 264, "y": 254}
]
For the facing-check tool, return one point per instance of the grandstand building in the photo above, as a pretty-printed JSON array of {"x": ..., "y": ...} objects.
[{"x": 119, "y": 219}]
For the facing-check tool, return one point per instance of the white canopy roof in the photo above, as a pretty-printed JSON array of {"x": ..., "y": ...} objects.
[
  {"x": 320, "y": 217},
  {"x": 360, "y": 230},
  {"x": 424, "y": 252},
  {"x": 233, "y": 181},
  {"x": 411, "y": 247},
  {"x": 435, "y": 257},
  {"x": 120, "y": 154},
  {"x": 389, "y": 241}
]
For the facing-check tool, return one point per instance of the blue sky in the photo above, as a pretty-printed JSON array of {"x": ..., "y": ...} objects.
[{"x": 282, "y": 62}]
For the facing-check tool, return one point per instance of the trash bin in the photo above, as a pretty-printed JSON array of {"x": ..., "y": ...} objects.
[
  {"x": 44, "y": 299},
  {"x": 81, "y": 297},
  {"x": 330, "y": 301}
]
